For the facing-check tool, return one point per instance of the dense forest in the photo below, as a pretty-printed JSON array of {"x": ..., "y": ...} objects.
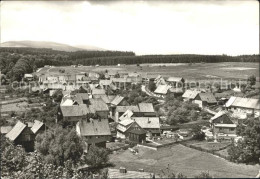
[{"x": 15, "y": 62}]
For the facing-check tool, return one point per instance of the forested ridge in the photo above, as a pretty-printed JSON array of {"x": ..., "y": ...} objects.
[{"x": 15, "y": 62}]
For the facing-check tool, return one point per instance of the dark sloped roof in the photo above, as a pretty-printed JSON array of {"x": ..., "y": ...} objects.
[
  {"x": 16, "y": 131},
  {"x": 208, "y": 97},
  {"x": 98, "y": 105},
  {"x": 36, "y": 126},
  {"x": 75, "y": 110},
  {"x": 135, "y": 131},
  {"x": 146, "y": 107},
  {"x": 94, "y": 127}
]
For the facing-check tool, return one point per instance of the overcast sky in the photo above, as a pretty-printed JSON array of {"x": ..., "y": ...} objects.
[{"x": 157, "y": 27}]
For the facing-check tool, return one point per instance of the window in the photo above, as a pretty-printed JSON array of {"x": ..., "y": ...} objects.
[{"x": 232, "y": 129}]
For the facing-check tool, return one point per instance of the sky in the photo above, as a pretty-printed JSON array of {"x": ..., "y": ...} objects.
[{"x": 146, "y": 27}]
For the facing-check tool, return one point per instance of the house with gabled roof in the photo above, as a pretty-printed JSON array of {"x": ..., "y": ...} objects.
[
  {"x": 94, "y": 132},
  {"x": 21, "y": 134},
  {"x": 38, "y": 127},
  {"x": 205, "y": 99},
  {"x": 74, "y": 113},
  {"x": 128, "y": 129},
  {"x": 100, "y": 107},
  {"x": 150, "y": 124},
  {"x": 175, "y": 81},
  {"x": 105, "y": 83},
  {"x": 146, "y": 110},
  {"x": 120, "y": 110},
  {"x": 249, "y": 106},
  {"x": 162, "y": 90},
  {"x": 190, "y": 95},
  {"x": 222, "y": 125}
]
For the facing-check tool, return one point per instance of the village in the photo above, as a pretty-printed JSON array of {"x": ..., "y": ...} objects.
[
  {"x": 98, "y": 108},
  {"x": 129, "y": 89}
]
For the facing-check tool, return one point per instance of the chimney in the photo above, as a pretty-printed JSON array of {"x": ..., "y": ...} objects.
[
  {"x": 122, "y": 170},
  {"x": 149, "y": 121}
]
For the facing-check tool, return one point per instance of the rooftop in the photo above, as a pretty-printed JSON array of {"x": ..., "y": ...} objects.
[
  {"x": 94, "y": 127},
  {"x": 16, "y": 131},
  {"x": 146, "y": 107}
]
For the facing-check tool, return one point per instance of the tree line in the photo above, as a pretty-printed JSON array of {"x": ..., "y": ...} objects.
[{"x": 15, "y": 62}]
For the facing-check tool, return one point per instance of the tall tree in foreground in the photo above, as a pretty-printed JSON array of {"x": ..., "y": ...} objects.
[
  {"x": 59, "y": 145},
  {"x": 96, "y": 157},
  {"x": 247, "y": 150}
]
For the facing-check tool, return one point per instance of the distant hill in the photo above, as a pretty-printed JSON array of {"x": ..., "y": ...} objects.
[{"x": 46, "y": 44}]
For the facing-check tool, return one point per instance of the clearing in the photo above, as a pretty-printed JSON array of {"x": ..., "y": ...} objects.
[
  {"x": 198, "y": 71},
  {"x": 182, "y": 159}
]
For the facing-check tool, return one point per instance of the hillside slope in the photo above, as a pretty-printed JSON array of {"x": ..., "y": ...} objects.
[{"x": 46, "y": 44}]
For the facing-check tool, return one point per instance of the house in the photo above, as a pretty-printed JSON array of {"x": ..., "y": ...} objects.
[
  {"x": 248, "y": 106},
  {"x": 128, "y": 129},
  {"x": 28, "y": 77},
  {"x": 21, "y": 134},
  {"x": 96, "y": 91},
  {"x": 223, "y": 126},
  {"x": 100, "y": 107},
  {"x": 127, "y": 115},
  {"x": 146, "y": 110},
  {"x": 123, "y": 173},
  {"x": 150, "y": 124},
  {"x": 177, "y": 82},
  {"x": 205, "y": 99},
  {"x": 176, "y": 91},
  {"x": 81, "y": 98},
  {"x": 74, "y": 113},
  {"x": 38, "y": 127},
  {"x": 159, "y": 80},
  {"x": 121, "y": 82},
  {"x": 120, "y": 110},
  {"x": 94, "y": 132},
  {"x": 119, "y": 101},
  {"x": 190, "y": 95},
  {"x": 162, "y": 90},
  {"x": 105, "y": 83},
  {"x": 122, "y": 127}
]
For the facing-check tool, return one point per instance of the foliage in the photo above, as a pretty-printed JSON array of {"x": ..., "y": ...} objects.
[
  {"x": 59, "y": 145},
  {"x": 96, "y": 157},
  {"x": 57, "y": 96},
  {"x": 180, "y": 112},
  {"x": 152, "y": 86},
  {"x": 197, "y": 133},
  {"x": 15, "y": 62},
  {"x": 203, "y": 175},
  {"x": 247, "y": 150},
  {"x": 12, "y": 157},
  {"x": 251, "y": 80}
]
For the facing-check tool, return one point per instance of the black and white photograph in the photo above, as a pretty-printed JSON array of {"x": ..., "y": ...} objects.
[{"x": 129, "y": 89}]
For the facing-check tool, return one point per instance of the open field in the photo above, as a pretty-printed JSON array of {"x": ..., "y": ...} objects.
[
  {"x": 203, "y": 71},
  {"x": 182, "y": 159}
]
